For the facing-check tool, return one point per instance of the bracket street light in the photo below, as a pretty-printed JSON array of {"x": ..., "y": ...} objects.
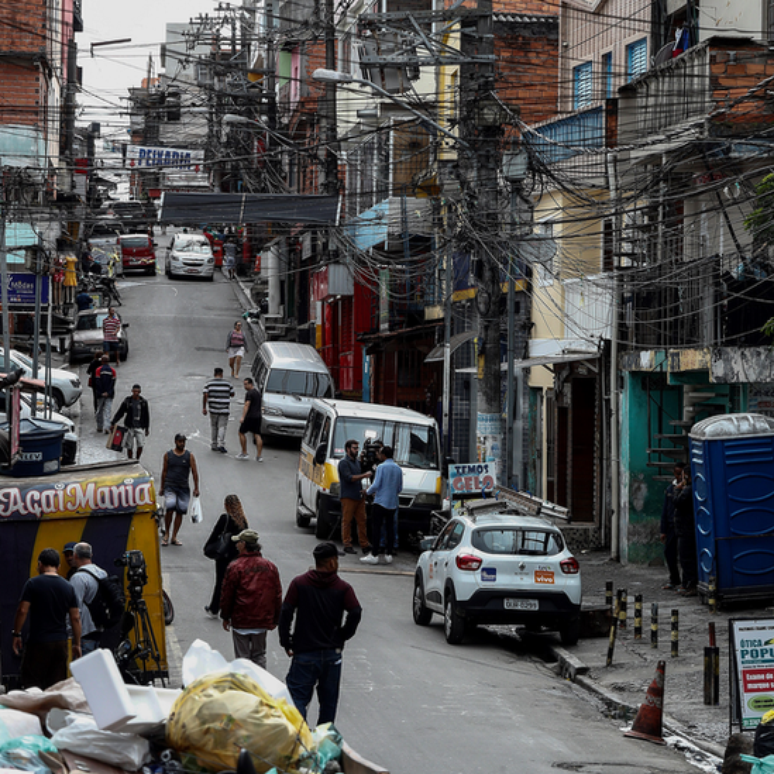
[{"x": 334, "y": 76}]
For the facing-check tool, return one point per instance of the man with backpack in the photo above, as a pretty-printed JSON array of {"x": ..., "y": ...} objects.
[{"x": 100, "y": 597}]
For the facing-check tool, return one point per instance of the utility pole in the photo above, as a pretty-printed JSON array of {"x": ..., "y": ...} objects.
[
  {"x": 482, "y": 128},
  {"x": 328, "y": 113}
]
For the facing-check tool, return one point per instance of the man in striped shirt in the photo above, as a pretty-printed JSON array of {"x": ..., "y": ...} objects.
[
  {"x": 111, "y": 333},
  {"x": 217, "y": 400}
]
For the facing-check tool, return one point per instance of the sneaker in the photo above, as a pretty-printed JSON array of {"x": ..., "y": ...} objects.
[
  {"x": 669, "y": 587},
  {"x": 388, "y": 558},
  {"x": 215, "y": 448},
  {"x": 222, "y": 449},
  {"x": 259, "y": 459},
  {"x": 369, "y": 559},
  {"x": 241, "y": 456},
  {"x": 349, "y": 550},
  {"x": 209, "y": 612}
]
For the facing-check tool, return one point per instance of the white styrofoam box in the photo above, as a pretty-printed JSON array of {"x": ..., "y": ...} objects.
[{"x": 108, "y": 697}]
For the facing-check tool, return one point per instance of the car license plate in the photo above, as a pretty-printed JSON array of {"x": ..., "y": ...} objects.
[
  {"x": 521, "y": 604},
  {"x": 192, "y": 271}
]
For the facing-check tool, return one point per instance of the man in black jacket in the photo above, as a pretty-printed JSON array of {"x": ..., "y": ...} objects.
[
  {"x": 137, "y": 421},
  {"x": 318, "y": 599}
]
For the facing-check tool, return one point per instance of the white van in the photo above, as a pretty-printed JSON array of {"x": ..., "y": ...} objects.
[
  {"x": 416, "y": 445},
  {"x": 289, "y": 376}
]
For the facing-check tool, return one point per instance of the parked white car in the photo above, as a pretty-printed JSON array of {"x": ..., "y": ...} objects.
[
  {"x": 190, "y": 255},
  {"x": 66, "y": 387},
  {"x": 498, "y": 567}
]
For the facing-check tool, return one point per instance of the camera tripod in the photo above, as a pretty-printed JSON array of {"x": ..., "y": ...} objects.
[{"x": 140, "y": 662}]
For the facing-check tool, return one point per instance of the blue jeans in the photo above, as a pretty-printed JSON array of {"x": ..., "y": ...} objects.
[{"x": 323, "y": 669}]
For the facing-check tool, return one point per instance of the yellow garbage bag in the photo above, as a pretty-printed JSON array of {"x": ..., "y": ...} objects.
[{"x": 220, "y": 713}]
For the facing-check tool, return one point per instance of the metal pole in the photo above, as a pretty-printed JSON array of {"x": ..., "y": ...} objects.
[
  {"x": 614, "y": 418},
  {"x": 447, "y": 377}
]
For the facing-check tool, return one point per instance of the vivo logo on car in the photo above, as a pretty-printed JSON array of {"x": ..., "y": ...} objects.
[
  {"x": 489, "y": 574},
  {"x": 31, "y": 456}
]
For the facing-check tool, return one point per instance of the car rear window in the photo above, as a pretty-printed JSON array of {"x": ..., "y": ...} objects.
[
  {"x": 134, "y": 242},
  {"x": 516, "y": 540}
]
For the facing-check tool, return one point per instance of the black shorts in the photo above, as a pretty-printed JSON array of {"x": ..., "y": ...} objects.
[{"x": 250, "y": 425}]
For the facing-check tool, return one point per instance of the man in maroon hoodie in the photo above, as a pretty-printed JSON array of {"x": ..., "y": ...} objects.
[
  {"x": 251, "y": 598},
  {"x": 318, "y": 599}
]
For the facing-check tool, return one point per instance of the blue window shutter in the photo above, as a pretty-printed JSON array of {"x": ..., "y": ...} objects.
[
  {"x": 607, "y": 65},
  {"x": 636, "y": 59},
  {"x": 582, "y": 85}
]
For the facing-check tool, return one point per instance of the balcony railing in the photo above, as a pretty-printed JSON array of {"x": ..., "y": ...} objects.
[{"x": 668, "y": 96}]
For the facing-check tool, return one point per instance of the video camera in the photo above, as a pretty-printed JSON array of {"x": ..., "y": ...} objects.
[
  {"x": 368, "y": 458},
  {"x": 136, "y": 572}
]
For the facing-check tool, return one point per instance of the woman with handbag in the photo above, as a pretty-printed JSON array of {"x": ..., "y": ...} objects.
[{"x": 222, "y": 548}]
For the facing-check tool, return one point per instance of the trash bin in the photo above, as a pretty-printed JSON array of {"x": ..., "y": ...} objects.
[
  {"x": 732, "y": 464},
  {"x": 41, "y": 448}
]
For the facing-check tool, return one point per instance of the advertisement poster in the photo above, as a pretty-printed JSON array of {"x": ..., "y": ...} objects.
[
  {"x": 472, "y": 478},
  {"x": 752, "y": 684},
  {"x": 489, "y": 440}
]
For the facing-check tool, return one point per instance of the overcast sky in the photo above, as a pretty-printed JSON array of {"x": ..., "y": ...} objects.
[{"x": 114, "y": 69}]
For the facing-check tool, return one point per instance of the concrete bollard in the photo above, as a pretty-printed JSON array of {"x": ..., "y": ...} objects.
[
  {"x": 638, "y": 616},
  {"x": 654, "y": 625}
]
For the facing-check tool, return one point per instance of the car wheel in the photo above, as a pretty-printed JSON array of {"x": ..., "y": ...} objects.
[
  {"x": 422, "y": 615},
  {"x": 151, "y": 270},
  {"x": 302, "y": 520},
  {"x": 569, "y": 632},
  {"x": 125, "y": 354},
  {"x": 322, "y": 529},
  {"x": 453, "y": 621},
  {"x": 57, "y": 400},
  {"x": 211, "y": 278}
]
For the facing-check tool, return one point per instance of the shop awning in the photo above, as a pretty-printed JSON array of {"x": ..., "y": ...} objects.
[
  {"x": 545, "y": 360},
  {"x": 455, "y": 342},
  {"x": 181, "y": 208}
]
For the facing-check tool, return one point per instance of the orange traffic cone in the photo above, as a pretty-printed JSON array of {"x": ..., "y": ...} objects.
[{"x": 647, "y": 724}]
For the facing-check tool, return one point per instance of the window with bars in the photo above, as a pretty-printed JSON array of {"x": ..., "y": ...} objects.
[
  {"x": 636, "y": 59},
  {"x": 582, "y": 86}
]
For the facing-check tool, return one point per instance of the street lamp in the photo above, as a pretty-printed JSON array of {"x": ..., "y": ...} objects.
[{"x": 334, "y": 76}]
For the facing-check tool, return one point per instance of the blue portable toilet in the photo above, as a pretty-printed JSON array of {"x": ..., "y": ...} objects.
[
  {"x": 41, "y": 448},
  {"x": 732, "y": 464}
]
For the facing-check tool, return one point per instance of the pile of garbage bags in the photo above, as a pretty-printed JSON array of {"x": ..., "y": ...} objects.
[{"x": 231, "y": 716}]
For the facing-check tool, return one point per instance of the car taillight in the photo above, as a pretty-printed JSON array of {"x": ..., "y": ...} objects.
[
  {"x": 570, "y": 566},
  {"x": 468, "y": 562}
]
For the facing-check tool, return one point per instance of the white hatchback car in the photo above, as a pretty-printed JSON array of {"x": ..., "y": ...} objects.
[
  {"x": 190, "y": 255},
  {"x": 499, "y": 567}
]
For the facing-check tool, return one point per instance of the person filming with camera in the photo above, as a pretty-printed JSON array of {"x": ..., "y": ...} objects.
[{"x": 352, "y": 497}]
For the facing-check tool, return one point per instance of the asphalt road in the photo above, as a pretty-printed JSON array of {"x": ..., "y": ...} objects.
[{"x": 409, "y": 700}]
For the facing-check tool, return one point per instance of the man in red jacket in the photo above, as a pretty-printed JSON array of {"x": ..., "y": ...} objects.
[{"x": 251, "y": 598}]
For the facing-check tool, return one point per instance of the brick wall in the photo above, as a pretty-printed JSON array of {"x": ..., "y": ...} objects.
[
  {"x": 23, "y": 31},
  {"x": 741, "y": 79},
  {"x": 22, "y": 27},
  {"x": 22, "y": 95},
  {"x": 526, "y": 69}
]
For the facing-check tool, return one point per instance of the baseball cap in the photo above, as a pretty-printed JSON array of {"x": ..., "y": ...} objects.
[
  {"x": 325, "y": 551},
  {"x": 69, "y": 546},
  {"x": 246, "y": 536}
]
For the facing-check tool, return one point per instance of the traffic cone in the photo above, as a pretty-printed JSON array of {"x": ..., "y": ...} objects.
[{"x": 647, "y": 724}]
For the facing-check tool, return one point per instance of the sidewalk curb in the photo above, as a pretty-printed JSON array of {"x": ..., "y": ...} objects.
[{"x": 576, "y": 671}]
